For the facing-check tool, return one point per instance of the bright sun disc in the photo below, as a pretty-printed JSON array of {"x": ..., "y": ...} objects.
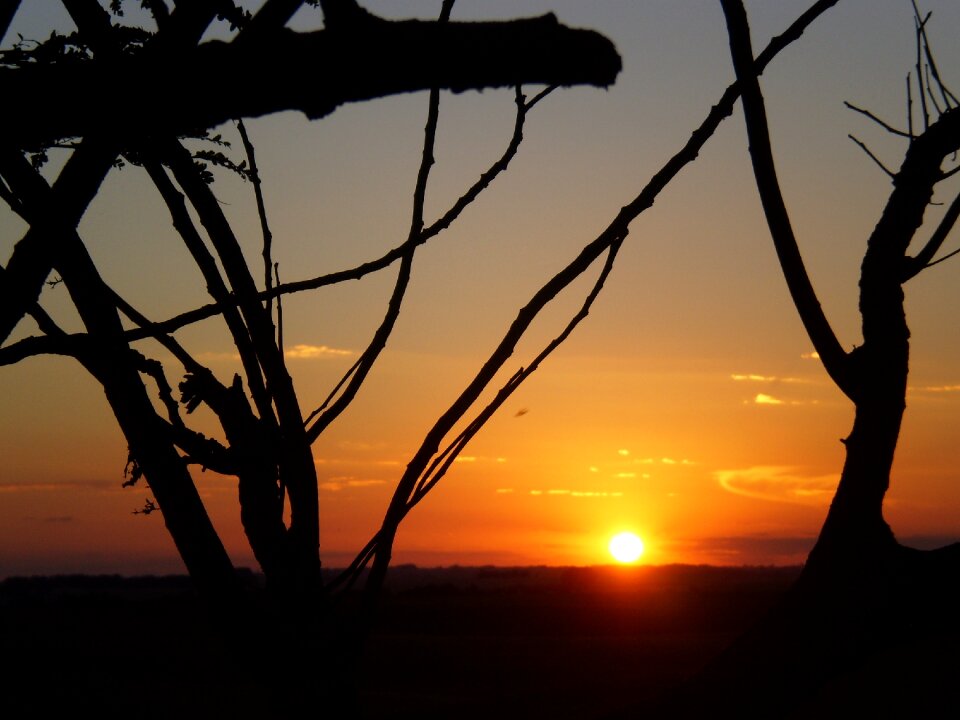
[{"x": 626, "y": 547}]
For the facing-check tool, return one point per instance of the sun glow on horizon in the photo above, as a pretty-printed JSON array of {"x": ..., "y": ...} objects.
[{"x": 626, "y": 547}]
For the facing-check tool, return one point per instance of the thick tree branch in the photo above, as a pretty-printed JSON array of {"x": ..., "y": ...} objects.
[
  {"x": 824, "y": 340},
  {"x": 8, "y": 8},
  {"x": 53, "y": 214},
  {"x": 134, "y": 98}
]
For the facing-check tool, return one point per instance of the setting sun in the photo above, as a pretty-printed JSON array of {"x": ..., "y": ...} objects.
[{"x": 626, "y": 547}]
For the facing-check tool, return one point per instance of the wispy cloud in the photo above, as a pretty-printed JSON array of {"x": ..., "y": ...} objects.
[
  {"x": 343, "y": 483},
  {"x": 811, "y": 355},
  {"x": 662, "y": 461},
  {"x": 72, "y": 485},
  {"x": 767, "y": 399},
  {"x": 759, "y": 549},
  {"x": 314, "y": 352},
  {"x": 338, "y": 461},
  {"x": 779, "y": 483},
  {"x": 939, "y": 388},
  {"x": 554, "y": 492},
  {"x": 300, "y": 351},
  {"x": 756, "y": 378},
  {"x": 471, "y": 459}
]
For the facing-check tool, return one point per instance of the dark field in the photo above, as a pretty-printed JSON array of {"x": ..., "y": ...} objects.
[{"x": 448, "y": 643}]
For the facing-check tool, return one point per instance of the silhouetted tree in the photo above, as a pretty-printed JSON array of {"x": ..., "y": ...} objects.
[
  {"x": 103, "y": 92},
  {"x": 861, "y": 593}
]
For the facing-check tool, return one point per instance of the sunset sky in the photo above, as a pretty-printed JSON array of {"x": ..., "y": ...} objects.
[{"x": 687, "y": 408}]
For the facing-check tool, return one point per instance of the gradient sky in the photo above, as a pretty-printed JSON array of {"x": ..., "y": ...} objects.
[{"x": 686, "y": 408}]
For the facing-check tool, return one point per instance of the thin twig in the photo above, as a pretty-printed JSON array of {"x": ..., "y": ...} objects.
[
  {"x": 919, "y": 68},
  {"x": 910, "y": 109},
  {"x": 333, "y": 393},
  {"x": 276, "y": 271},
  {"x": 940, "y": 260},
  {"x": 889, "y": 128},
  {"x": 261, "y": 211},
  {"x": 872, "y": 156},
  {"x": 948, "y": 97},
  {"x": 930, "y": 93},
  {"x": 950, "y": 173},
  {"x": 167, "y": 341}
]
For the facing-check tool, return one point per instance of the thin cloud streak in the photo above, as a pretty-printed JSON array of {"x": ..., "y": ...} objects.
[
  {"x": 554, "y": 492},
  {"x": 314, "y": 352},
  {"x": 301, "y": 351},
  {"x": 939, "y": 388},
  {"x": 779, "y": 484},
  {"x": 754, "y": 377},
  {"x": 84, "y": 485},
  {"x": 338, "y": 484}
]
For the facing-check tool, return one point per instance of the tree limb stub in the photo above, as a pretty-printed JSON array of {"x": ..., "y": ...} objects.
[{"x": 315, "y": 72}]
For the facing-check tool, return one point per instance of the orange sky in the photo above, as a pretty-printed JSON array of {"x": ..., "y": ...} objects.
[{"x": 686, "y": 407}]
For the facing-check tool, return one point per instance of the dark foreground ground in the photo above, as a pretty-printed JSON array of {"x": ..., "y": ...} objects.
[{"x": 449, "y": 643}]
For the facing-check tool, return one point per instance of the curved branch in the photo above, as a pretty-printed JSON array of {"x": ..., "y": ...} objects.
[
  {"x": 834, "y": 358},
  {"x": 433, "y": 475},
  {"x": 418, "y": 236}
]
